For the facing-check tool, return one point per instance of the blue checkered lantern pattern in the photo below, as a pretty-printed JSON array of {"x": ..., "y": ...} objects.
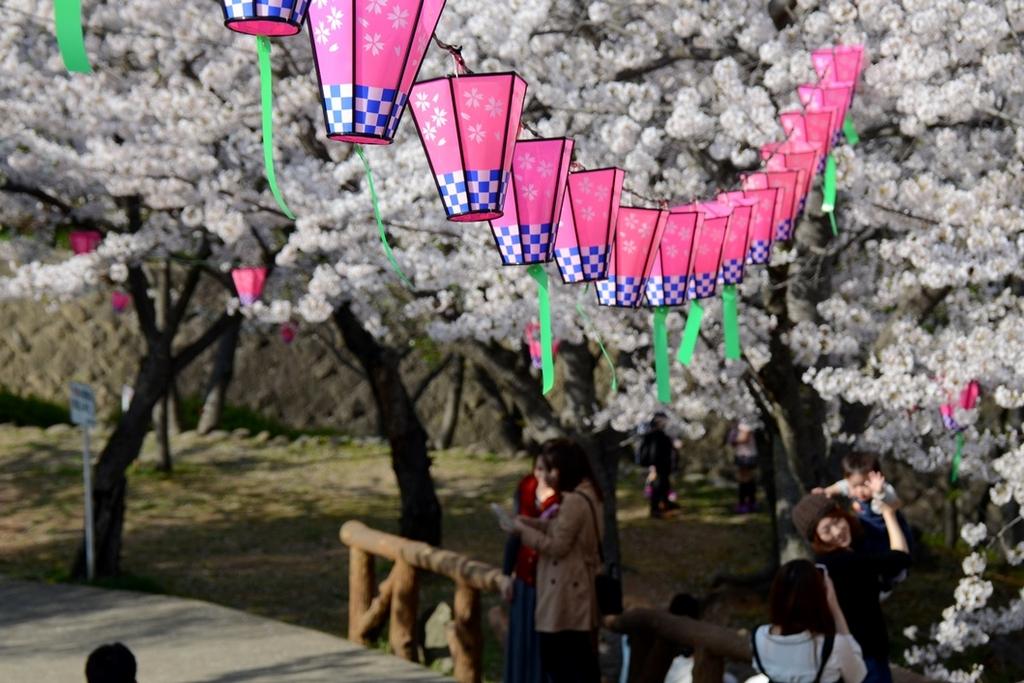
[
  {"x": 638, "y": 233},
  {"x": 525, "y": 233},
  {"x": 265, "y": 17},
  {"x": 366, "y": 61},
  {"x": 587, "y": 228},
  {"x": 581, "y": 264}
]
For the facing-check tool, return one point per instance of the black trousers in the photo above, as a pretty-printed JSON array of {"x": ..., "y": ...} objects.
[{"x": 569, "y": 657}]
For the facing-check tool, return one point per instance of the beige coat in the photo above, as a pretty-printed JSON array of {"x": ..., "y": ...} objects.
[{"x": 566, "y": 600}]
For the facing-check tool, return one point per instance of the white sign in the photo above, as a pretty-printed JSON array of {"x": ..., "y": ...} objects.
[{"x": 83, "y": 404}]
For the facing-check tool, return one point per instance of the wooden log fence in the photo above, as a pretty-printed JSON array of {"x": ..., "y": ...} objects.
[{"x": 397, "y": 601}]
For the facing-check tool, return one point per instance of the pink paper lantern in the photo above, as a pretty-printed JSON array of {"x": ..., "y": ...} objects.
[
  {"x": 841, "y": 63},
  {"x": 836, "y": 97},
  {"x": 119, "y": 300},
  {"x": 84, "y": 241},
  {"x": 968, "y": 399},
  {"x": 638, "y": 233},
  {"x": 587, "y": 228},
  {"x": 249, "y": 283},
  {"x": 767, "y": 213},
  {"x": 709, "y": 241},
  {"x": 265, "y": 17},
  {"x": 737, "y": 237},
  {"x": 794, "y": 156},
  {"x": 667, "y": 284},
  {"x": 531, "y": 334},
  {"x": 787, "y": 183},
  {"x": 288, "y": 332},
  {"x": 468, "y": 126},
  {"x": 525, "y": 232},
  {"x": 367, "y": 55},
  {"x": 814, "y": 128}
]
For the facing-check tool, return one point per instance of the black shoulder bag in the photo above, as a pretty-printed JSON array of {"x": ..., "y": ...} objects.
[
  {"x": 607, "y": 587},
  {"x": 826, "y": 652}
]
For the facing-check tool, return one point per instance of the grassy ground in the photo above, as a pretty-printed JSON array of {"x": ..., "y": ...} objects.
[{"x": 253, "y": 524}]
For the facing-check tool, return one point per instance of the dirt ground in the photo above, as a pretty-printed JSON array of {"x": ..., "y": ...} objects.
[{"x": 253, "y": 524}]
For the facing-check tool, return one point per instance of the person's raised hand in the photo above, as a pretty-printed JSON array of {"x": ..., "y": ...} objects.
[
  {"x": 830, "y": 593},
  {"x": 876, "y": 483},
  {"x": 819, "y": 491}
]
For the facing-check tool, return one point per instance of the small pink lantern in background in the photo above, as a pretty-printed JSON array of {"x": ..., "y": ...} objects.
[
  {"x": 367, "y": 55},
  {"x": 667, "y": 284},
  {"x": 841, "y": 63},
  {"x": 265, "y": 17},
  {"x": 787, "y": 184},
  {"x": 468, "y": 126},
  {"x": 288, "y": 332},
  {"x": 525, "y": 232},
  {"x": 637, "y": 235},
  {"x": 531, "y": 334},
  {"x": 587, "y": 228},
  {"x": 249, "y": 283},
  {"x": 84, "y": 241},
  {"x": 737, "y": 237},
  {"x": 767, "y": 213},
  {"x": 809, "y": 128},
  {"x": 119, "y": 300},
  {"x": 968, "y": 399}
]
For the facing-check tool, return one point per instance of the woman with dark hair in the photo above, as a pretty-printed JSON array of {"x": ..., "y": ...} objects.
[
  {"x": 534, "y": 499},
  {"x": 566, "y": 617},
  {"x": 836, "y": 537},
  {"x": 808, "y": 640}
]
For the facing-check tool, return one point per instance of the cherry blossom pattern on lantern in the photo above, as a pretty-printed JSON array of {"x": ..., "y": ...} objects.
[
  {"x": 638, "y": 233},
  {"x": 525, "y": 233},
  {"x": 367, "y": 53},
  {"x": 587, "y": 227},
  {"x": 468, "y": 146},
  {"x": 786, "y": 184}
]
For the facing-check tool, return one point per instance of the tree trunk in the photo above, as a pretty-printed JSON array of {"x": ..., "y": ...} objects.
[
  {"x": 421, "y": 511},
  {"x": 160, "y": 410},
  {"x": 452, "y": 404},
  {"x": 220, "y": 379}
]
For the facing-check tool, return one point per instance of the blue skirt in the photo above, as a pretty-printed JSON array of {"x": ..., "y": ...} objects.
[{"x": 522, "y": 654}]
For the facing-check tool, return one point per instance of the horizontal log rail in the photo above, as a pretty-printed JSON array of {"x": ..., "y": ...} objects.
[
  {"x": 397, "y": 600},
  {"x": 398, "y": 595}
]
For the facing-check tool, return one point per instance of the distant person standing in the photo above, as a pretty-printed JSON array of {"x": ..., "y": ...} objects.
[
  {"x": 744, "y": 445},
  {"x": 657, "y": 449},
  {"x": 113, "y": 663}
]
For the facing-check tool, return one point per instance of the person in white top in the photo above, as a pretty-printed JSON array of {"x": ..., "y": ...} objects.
[{"x": 808, "y": 640}]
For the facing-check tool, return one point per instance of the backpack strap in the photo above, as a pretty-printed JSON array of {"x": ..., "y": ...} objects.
[
  {"x": 757, "y": 655},
  {"x": 826, "y": 652}
]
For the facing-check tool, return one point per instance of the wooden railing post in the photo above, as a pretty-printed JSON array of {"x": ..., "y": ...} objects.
[
  {"x": 404, "y": 606},
  {"x": 360, "y": 590},
  {"x": 707, "y": 667},
  {"x": 466, "y": 637}
]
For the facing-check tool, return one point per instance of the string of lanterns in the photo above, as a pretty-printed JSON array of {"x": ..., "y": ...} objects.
[{"x": 540, "y": 204}]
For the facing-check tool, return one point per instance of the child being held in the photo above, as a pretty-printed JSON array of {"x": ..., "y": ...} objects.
[{"x": 863, "y": 483}]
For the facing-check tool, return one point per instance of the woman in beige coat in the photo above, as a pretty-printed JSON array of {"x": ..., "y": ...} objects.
[{"x": 567, "y": 616}]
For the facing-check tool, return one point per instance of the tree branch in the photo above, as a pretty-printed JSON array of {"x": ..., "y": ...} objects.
[
  {"x": 192, "y": 351},
  {"x": 418, "y": 392}
]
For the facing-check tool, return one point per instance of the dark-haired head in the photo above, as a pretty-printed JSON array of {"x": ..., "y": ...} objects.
[
  {"x": 113, "y": 663},
  {"x": 797, "y": 601},
  {"x": 571, "y": 463},
  {"x": 860, "y": 463},
  {"x": 823, "y": 546}
]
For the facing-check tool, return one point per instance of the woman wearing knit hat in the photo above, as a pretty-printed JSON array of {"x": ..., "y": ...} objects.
[{"x": 857, "y": 575}]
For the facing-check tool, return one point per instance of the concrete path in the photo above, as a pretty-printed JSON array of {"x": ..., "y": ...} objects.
[{"x": 47, "y": 631}]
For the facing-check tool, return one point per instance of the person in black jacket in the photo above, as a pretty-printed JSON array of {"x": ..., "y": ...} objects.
[
  {"x": 858, "y": 574},
  {"x": 658, "y": 449}
]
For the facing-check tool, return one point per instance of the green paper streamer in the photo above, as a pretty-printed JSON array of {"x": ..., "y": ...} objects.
[
  {"x": 849, "y": 132},
  {"x": 604, "y": 351},
  {"x": 267, "y": 99},
  {"x": 547, "y": 361},
  {"x": 954, "y": 474},
  {"x": 690, "y": 333},
  {"x": 380, "y": 222},
  {"x": 731, "y": 322},
  {"x": 67, "y": 16},
  {"x": 828, "y": 193},
  {"x": 661, "y": 354},
  {"x": 832, "y": 222}
]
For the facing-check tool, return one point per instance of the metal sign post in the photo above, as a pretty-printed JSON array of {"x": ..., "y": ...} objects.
[{"x": 83, "y": 413}]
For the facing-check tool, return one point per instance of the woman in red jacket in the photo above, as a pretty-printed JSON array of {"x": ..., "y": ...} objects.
[{"x": 535, "y": 499}]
